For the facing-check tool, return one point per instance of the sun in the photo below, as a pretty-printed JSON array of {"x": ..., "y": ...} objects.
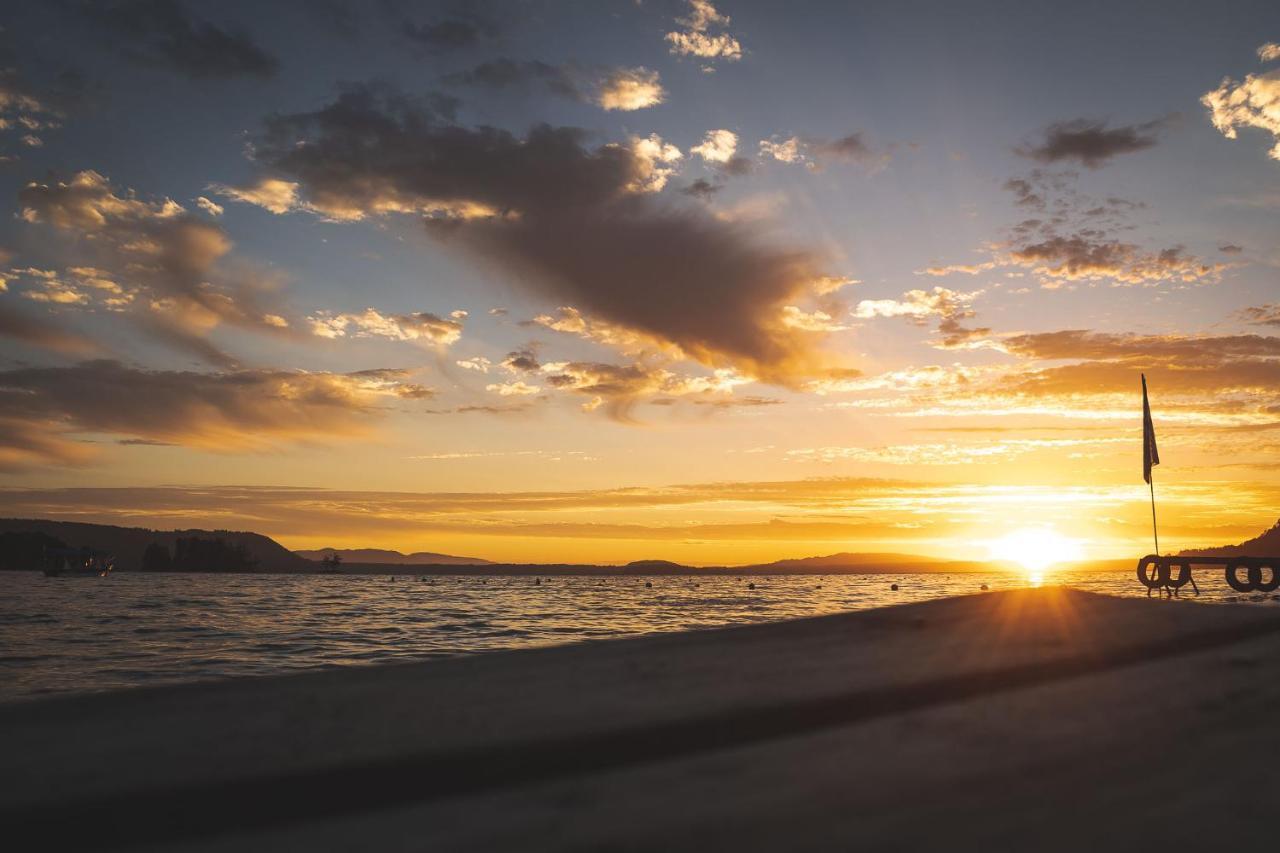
[{"x": 1035, "y": 549}]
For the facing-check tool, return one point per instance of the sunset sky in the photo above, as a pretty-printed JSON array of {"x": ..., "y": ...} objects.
[{"x": 618, "y": 280}]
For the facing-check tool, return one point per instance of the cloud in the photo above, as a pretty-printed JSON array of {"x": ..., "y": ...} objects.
[
  {"x": 1090, "y": 142},
  {"x": 951, "y": 269},
  {"x": 480, "y": 364},
  {"x": 950, "y": 306},
  {"x": 158, "y": 251},
  {"x": 1087, "y": 256},
  {"x": 1238, "y": 372},
  {"x": 421, "y": 326},
  {"x": 210, "y": 207},
  {"x": 268, "y": 193},
  {"x": 717, "y": 146},
  {"x": 950, "y": 453},
  {"x": 503, "y": 73},
  {"x": 718, "y": 149},
  {"x": 518, "y": 388},
  {"x": 40, "y": 332},
  {"x": 21, "y": 108},
  {"x": 450, "y": 33},
  {"x": 827, "y": 284},
  {"x": 163, "y": 34},
  {"x": 810, "y": 321},
  {"x": 47, "y": 410},
  {"x": 1071, "y": 239},
  {"x": 1262, "y": 315},
  {"x": 918, "y": 304},
  {"x": 816, "y": 153},
  {"x": 702, "y": 189},
  {"x": 566, "y": 220},
  {"x": 616, "y": 389},
  {"x": 570, "y": 320},
  {"x": 630, "y": 89},
  {"x": 1231, "y": 249},
  {"x": 625, "y": 89},
  {"x": 1210, "y": 382},
  {"x": 1165, "y": 349},
  {"x": 1253, "y": 102},
  {"x": 696, "y": 39},
  {"x": 1269, "y": 52},
  {"x": 776, "y": 518}
]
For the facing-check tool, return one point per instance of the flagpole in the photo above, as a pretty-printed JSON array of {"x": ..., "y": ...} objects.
[
  {"x": 1154, "y": 530},
  {"x": 1150, "y": 458}
]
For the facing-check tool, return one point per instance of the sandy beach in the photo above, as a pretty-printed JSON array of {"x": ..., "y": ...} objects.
[{"x": 974, "y": 720}]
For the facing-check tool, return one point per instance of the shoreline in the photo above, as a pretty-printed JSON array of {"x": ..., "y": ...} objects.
[
  {"x": 534, "y": 570},
  {"x": 364, "y": 753}
]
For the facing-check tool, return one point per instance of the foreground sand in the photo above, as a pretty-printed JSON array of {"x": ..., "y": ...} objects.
[{"x": 1037, "y": 719}]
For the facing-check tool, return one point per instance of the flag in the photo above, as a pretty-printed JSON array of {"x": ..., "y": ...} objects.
[{"x": 1150, "y": 456}]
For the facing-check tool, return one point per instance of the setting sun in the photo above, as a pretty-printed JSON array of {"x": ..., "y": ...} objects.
[{"x": 1036, "y": 549}]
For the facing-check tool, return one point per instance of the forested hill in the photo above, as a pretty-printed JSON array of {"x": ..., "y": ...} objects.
[
  {"x": 197, "y": 551},
  {"x": 1265, "y": 545}
]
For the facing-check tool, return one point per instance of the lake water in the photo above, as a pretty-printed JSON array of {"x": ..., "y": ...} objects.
[{"x": 60, "y": 635}]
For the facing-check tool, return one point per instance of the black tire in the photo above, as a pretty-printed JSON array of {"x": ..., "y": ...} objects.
[{"x": 1153, "y": 581}]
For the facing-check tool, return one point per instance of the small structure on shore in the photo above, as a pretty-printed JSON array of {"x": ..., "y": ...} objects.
[{"x": 76, "y": 562}]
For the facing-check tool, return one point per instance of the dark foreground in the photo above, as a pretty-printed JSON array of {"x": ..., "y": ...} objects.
[{"x": 1033, "y": 719}]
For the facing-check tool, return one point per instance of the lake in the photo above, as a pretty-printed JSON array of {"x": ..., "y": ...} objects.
[{"x": 63, "y": 635}]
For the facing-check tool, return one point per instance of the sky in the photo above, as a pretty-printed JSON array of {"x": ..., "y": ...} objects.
[{"x": 728, "y": 283}]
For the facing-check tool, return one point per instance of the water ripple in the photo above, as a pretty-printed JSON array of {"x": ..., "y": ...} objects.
[{"x": 132, "y": 629}]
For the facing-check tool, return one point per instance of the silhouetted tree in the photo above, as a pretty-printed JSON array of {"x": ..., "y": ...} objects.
[
  {"x": 24, "y": 551},
  {"x": 193, "y": 554},
  {"x": 156, "y": 558}
]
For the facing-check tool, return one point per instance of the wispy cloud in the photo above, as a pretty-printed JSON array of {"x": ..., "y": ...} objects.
[{"x": 697, "y": 35}]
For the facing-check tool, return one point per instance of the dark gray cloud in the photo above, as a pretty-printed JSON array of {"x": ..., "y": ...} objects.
[
  {"x": 852, "y": 149},
  {"x": 1091, "y": 142},
  {"x": 575, "y": 222},
  {"x": 450, "y": 33},
  {"x": 164, "y": 34},
  {"x": 40, "y": 332},
  {"x": 510, "y": 73},
  {"x": 46, "y": 410},
  {"x": 702, "y": 188},
  {"x": 1262, "y": 315},
  {"x": 1073, "y": 237},
  {"x": 1090, "y": 254}
]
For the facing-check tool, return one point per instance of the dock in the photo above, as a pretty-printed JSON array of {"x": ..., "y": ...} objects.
[{"x": 1046, "y": 719}]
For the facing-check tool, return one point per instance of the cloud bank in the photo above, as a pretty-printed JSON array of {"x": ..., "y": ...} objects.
[{"x": 576, "y": 223}]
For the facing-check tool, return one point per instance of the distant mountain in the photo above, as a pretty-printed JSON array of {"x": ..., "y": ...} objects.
[
  {"x": 128, "y": 544},
  {"x": 1266, "y": 545},
  {"x": 384, "y": 557},
  {"x": 847, "y": 560}
]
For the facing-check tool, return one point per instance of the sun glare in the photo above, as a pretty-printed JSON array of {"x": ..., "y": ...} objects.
[{"x": 1035, "y": 549}]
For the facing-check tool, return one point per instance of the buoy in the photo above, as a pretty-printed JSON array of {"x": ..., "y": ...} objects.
[
  {"x": 893, "y": 587},
  {"x": 984, "y": 587},
  {"x": 751, "y": 586},
  {"x": 648, "y": 584},
  {"x": 537, "y": 581}
]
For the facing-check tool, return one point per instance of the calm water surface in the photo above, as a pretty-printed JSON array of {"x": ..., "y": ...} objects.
[{"x": 61, "y": 635}]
